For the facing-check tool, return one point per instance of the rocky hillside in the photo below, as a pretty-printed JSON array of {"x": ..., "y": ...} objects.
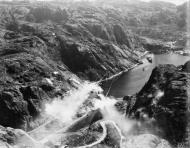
[
  {"x": 45, "y": 49},
  {"x": 28, "y": 78},
  {"x": 88, "y": 39},
  {"x": 157, "y": 19}
]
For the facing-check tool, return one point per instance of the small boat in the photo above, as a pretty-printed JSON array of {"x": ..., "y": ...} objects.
[{"x": 149, "y": 59}]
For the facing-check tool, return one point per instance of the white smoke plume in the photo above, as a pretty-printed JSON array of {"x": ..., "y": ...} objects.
[
  {"x": 109, "y": 111},
  {"x": 66, "y": 108}
]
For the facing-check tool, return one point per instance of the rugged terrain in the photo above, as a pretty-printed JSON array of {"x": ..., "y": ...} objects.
[
  {"x": 47, "y": 50},
  {"x": 89, "y": 40},
  {"x": 44, "y": 50},
  {"x": 161, "y": 21},
  {"x": 157, "y": 19}
]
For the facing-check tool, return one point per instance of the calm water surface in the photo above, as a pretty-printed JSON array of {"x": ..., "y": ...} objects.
[{"x": 131, "y": 82}]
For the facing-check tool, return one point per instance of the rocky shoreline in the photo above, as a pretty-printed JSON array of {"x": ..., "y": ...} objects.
[
  {"x": 126, "y": 70},
  {"x": 164, "y": 101}
]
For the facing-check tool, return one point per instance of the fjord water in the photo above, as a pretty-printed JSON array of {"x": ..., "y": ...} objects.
[{"x": 131, "y": 82}]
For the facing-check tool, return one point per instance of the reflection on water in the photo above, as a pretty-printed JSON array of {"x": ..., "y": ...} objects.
[{"x": 131, "y": 82}]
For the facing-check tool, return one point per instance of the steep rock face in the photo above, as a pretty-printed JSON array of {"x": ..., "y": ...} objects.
[
  {"x": 165, "y": 99},
  {"x": 28, "y": 80},
  {"x": 158, "y": 20},
  {"x": 92, "y": 41},
  {"x": 42, "y": 46}
]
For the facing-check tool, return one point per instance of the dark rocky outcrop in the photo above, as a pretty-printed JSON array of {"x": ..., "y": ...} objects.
[
  {"x": 88, "y": 39},
  {"x": 42, "y": 48},
  {"x": 28, "y": 80},
  {"x": 87, "y": 120},
  {"x": 186, "y": 67},
  {"x": 40, "y": 52},
  {"x": 163, "y": 20},
  {"x": 165, "y": 99}
]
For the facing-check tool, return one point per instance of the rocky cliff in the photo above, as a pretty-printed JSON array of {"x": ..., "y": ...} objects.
[
  {"x": 92, "y": 41},
  {"x": 43, "y": 48},
  {"x": 28, "y": 78},
  {"x": 164, "y": 102},
  {"x": 157, "y": 19}
]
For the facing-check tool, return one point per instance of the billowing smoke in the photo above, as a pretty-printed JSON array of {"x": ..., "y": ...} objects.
[
  {"x": 65, "y": 111},
  {"x": 66, "y": 108},
  {"x": 109, "y": 111}
]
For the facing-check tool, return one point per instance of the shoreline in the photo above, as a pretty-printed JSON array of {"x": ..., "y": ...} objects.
[
  {"x": 118, "y": 74},
  {"x": 126, "y": 70}
]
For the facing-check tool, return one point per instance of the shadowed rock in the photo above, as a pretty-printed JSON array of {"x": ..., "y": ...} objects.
[
  {"x": 165, "y": 98},
  {"x": 86, "y": 120}
]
